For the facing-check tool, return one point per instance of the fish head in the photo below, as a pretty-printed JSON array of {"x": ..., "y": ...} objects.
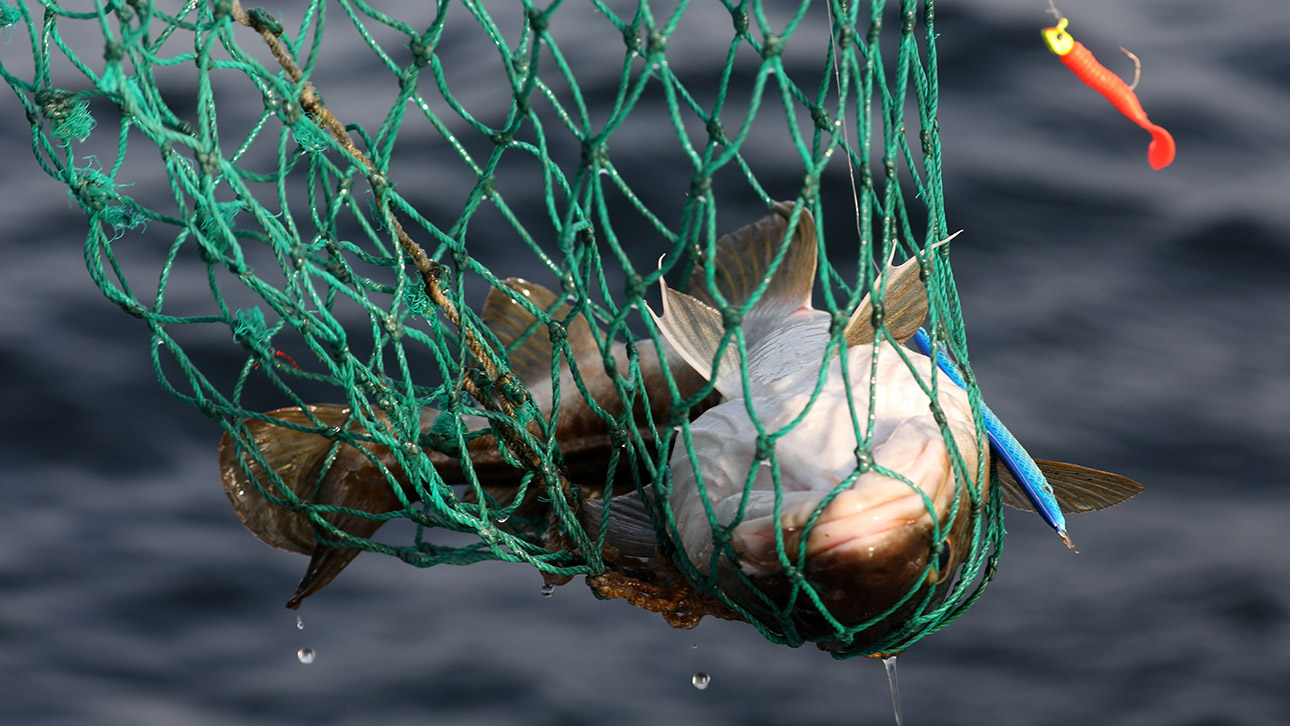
[{"x": 873, "y": 541}]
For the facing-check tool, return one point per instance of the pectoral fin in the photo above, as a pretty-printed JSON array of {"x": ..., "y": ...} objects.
[
  {"x": 742, "y": 262},
  {"x": 1077, "y": 488},
  {"x": 695, "y": 330},
  {"x": 629, "y": 531},
  {"x": 297, "y": 457},
  {"x": 528, "y": 341},
  {"x": 904, "y": 306}
]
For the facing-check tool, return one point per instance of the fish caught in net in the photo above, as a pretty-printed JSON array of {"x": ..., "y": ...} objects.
[{"x": 653, "y": 293}]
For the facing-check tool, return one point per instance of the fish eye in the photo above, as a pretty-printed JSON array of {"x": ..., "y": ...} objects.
[{"x": 943, "y": 559}]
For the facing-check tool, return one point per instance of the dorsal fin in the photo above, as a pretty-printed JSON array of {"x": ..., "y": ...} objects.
[
  {"x": 1077, "y": 488},
  {"x": 510, "y": 321},
  {"x": 742, "y": 261},
  {"x": 904, "y": 305}
]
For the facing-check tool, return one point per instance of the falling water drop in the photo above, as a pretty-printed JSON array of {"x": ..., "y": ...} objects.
[
  {"x": 700, "y": 680},
  {"x": 547, "y": 589},
  {"x": 306, "y": 655},
  {"x": 694, "y": 645},
  {"x": 300, "y": 623},
  {"x": 890, "y": 664}
]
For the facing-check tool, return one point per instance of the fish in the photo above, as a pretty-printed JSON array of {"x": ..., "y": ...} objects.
[
  {"x": 862, "y": 522},
  {"x": 272, "y": 463}
]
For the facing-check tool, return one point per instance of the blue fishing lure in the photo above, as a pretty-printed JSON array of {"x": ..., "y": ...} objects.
[{"x": 1006, "y": 447}]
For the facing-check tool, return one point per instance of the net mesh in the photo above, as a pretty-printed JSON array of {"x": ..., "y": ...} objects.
[{"x": 307, "y": 203}]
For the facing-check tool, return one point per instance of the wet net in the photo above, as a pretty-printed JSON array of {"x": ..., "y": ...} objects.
[{"x": 307, "y": 205}]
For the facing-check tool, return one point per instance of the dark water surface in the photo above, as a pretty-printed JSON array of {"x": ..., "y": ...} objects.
[{"x": 1131, "y": 320}]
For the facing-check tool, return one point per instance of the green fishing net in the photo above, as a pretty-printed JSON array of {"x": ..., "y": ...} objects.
[{"x": 307, "y": 203}]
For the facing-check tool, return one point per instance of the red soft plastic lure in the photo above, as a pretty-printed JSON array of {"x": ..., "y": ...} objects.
[{"x": 1078, "y": 58}]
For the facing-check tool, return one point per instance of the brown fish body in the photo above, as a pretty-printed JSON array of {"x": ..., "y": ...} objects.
[{"x": 367, "y": 477}]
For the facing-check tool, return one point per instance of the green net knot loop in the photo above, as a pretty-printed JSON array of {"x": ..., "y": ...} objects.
[{"x": 69, "y": 117}]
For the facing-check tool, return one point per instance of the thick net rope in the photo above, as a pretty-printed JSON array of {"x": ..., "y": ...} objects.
[{"x": 289, "y": 258}]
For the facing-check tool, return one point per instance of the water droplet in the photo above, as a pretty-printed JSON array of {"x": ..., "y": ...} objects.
[
  {"x": 890, "y": 664},
  {"x": 547, "y": 589},
  {"x": 241, "y": 493},
  {"x": 306, "y": 655},
  {"x": 300, "y": 623},
  {"x": 700, "y": 680},
  {"x": 502, "y": 519},
  {"x": 694, "y": 645}
]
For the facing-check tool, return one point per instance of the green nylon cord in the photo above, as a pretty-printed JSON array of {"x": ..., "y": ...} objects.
[{"x": 273, "y": 238}]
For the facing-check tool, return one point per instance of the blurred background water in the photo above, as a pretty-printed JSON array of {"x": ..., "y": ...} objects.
[{"x": 1131, "y": 320}]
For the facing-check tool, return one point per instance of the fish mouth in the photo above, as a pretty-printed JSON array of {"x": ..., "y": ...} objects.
[
  {"x": 877, "y": 520},
  {"x": 871, "y": 531}
]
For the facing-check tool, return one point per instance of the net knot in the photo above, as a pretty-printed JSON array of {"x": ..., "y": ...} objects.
[
  {"x": 380, "y": 183},
  {"x": 250, "y": 330},
  {"x": 308, "y": 136},
  {"x": 731, "y": 318},
  {"x": 765, "y": 448},
  {"x": 223, "y": 9},
  {"x": 223, "y": 211},
  {"x": 93, "y": 188},
  {"x": 773, "y": 47},
  {"x": 846, "y": 35},
  {"x": 701, "y": 187},
  {"x": 657, "y": 44},
  {"x": 635, "y": 286},
  {"x": 263, "y": 21},
  {"x": 907, "y": 17},
  {"x": 113, "y": 52},
  {"x": 422, "y": 52},
  {"x": 208, "y": 161},
  {"x": 68, "y": 117},
  {"x": 594, "y": 153},
  {"x": 878, "y": 315},
  {"x": 739, "y": 17},
  {"x": 837, "y": 323},
  {"x": 810, "y": 186},
  {"x": 716, "y": 131},
  {"x": 821, "y": 118},
  {"x": 631, "y": 36},
  {"x": 8, "y": 15},
  {"x": 864, "y": 459},
  {"x": 512, "y": 389},
  {"x": 442, "y": 435},
  {"x": 538, "y": 20}
]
